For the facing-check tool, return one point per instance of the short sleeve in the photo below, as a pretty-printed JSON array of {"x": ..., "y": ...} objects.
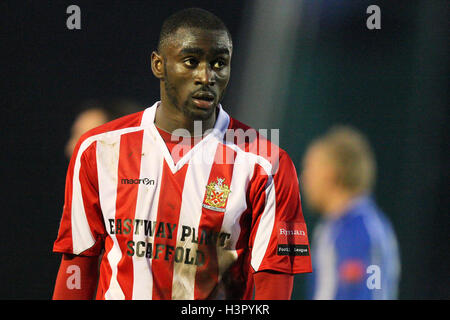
[
  {"x": 279, "y": 238},
  {"x": 81, "y": 229}
]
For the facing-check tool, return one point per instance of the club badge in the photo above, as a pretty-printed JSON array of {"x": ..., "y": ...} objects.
[{"x": 216, "y": 195}]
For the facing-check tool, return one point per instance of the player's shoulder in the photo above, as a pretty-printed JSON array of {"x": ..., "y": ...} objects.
[
  {"x": 270, "y": 155},
  {"x": 108, "y": 130},
  {"x": 256, "y": 141},
  {"x": 114, "y": 127},
  {"x": 356, "y": 224}
]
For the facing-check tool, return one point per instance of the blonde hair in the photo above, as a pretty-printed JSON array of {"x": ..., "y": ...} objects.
[{"x": 352, "y": 157}]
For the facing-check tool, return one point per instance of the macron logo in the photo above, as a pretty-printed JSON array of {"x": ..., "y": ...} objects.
[{"x": 292, "y": 232}]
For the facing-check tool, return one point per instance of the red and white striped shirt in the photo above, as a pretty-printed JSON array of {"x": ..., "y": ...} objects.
[{"x": 197, "y": 228}]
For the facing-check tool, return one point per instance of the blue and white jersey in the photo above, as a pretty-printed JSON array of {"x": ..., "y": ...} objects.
[{"x": 355, "y": 256}]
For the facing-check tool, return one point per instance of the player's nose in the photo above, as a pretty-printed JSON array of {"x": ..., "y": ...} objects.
[{"x": 204, "y": 75}]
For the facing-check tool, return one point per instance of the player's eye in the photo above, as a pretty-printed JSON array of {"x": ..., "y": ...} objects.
[
  {"x": 219, "y": 64},
  {"x": 191, "y": 62}
]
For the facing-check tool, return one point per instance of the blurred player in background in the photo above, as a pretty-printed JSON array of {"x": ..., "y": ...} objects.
[
  {"x": 354, "y": 246},
  {"x": 214, "y": 220},
  {"x": 95, "y": 113}
]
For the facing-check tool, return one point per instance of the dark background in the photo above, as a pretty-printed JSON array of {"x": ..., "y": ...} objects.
[{"x": 389, "y": 83}]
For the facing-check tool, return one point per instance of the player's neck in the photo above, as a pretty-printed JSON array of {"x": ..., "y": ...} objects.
[{"x": 169, "y": 119}]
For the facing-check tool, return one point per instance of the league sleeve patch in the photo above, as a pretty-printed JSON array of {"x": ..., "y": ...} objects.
[{"x": 292, "y": 239}]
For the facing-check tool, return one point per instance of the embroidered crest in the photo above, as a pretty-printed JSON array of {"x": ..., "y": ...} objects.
[{"x": 216, "y": 195}]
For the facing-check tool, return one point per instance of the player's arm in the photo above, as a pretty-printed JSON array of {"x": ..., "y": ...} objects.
[
  {"x": 81, "y": 232},
  {"x": 77, "y": 278},
  {"x": 272, "y": 285},
  {"x": 277, "y": 212}
]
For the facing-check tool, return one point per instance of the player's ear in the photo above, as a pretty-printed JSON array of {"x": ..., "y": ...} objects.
[{"x": 157, "y": 62}]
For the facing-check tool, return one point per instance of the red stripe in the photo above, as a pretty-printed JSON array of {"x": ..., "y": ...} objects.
[
  {"x": 129, "y": 168},
  {"x": 91, "y": 202},
  {"x": 238, "y": 279},
  {"x": 105, "y": 271},
  {"x": 206, "y": 277},
  {"x": 63, "y": 243},
  {"x": 170, "y": 197}
]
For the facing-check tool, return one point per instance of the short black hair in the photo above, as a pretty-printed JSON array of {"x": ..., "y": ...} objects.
[{"x": 190, "y": 18}]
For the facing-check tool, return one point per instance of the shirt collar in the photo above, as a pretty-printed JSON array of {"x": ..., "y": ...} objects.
[{"x": 220, "y": 126}]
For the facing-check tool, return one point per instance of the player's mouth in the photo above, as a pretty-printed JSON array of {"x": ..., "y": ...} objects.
[{"x": 203, "y": 99}]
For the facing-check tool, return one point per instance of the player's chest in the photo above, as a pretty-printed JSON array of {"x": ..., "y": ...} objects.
[{"x": 195, "y": 193}]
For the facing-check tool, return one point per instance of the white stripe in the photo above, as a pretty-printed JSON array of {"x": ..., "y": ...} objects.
[
  {"x": 107, "y": 167},
  {"x": 237, "y": 203},
  {"x": 146, "y": 209},
  {"x": 265, "y": 226},
  {"x": 373, "y": 227},
  {"x": 183, "y": 282},
  {"x": 380, "y": 247},
  {"x": 326, "y": 278}
]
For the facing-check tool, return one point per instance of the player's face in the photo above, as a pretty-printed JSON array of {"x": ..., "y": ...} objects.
[
  {"x": 318, "y": 177},
  {"x": 196, "y": 70}
]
